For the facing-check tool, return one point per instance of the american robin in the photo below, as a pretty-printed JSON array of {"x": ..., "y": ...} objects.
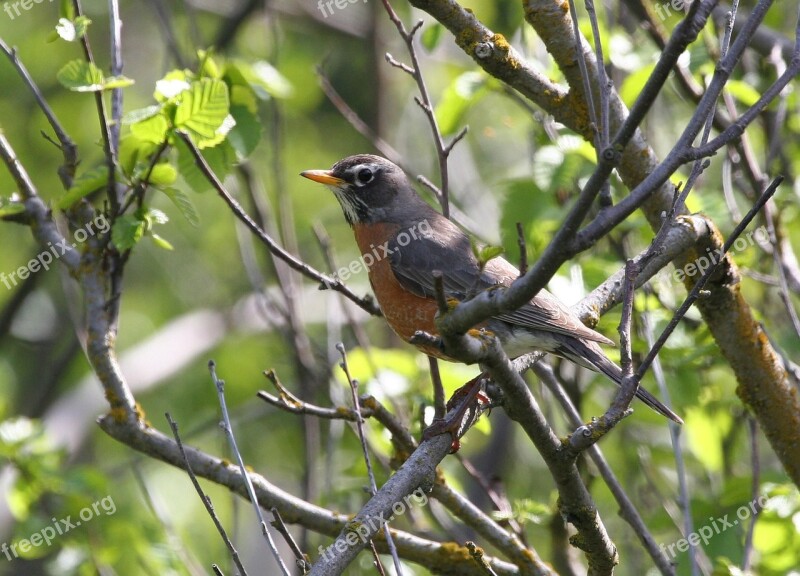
[{"x": 403, "y": 240}]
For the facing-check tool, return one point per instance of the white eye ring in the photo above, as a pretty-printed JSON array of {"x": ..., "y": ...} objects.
[{"x": 364, "y": 176}]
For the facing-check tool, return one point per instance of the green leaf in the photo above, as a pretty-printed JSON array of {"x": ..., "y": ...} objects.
[
  {"x": 152, "y": 129},
  {"x": 486, "y": 253},
  {"x": 127, "y": 231},
  {"x": 633, "y": 84},
  {"x": 184, "y": 204},
  {"x": 202, "y": 111},
  {"x": 163, "y": 174},
  {"x": 743, "y": 92},
  {"x": 161, "y": 243},
  {"x": 88, "y": 182},
  {"x": 133, "y": 152},
  {"x": 72, "y": 30},
  {"x": 261, "y": 76},
  {"x": 246, "y": 135},
  {"x": 208, "y": 66},
  {"x": 462, "y": 93},
  {"x": 141, "y": 114},
  {"x": 220, "y": 159},
  {"x": 81, "y": 76},
  {"x": 431, "y": 36}
]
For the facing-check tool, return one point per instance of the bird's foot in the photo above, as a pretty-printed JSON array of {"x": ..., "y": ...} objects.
[{"x": 463, "y": 409}]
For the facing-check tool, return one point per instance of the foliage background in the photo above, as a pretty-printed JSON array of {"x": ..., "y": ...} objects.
[{"x": 201, "y": 300}]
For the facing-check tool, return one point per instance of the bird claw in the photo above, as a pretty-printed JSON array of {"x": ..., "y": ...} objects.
[{"x": 463, "y": 409}]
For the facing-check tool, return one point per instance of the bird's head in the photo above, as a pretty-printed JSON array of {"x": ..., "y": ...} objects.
[{"x": 369, "y": 188}]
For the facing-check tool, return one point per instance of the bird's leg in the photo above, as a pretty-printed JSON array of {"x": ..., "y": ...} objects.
[{"x": 463, "y": 409}]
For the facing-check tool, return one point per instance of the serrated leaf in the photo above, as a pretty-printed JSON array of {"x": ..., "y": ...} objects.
[
  {"x": 184, "y": 204},
  {"x": 462, "y": 93},
  {"x": 83, "y": 185},
  {"x": 81, "y": 76},
  {"x": 161, "y": 243},
  {"x": 163, "y": 174},
  {"x": 202, "y": 111},
  {"x": 72, "y": 30},
  {"x": 431, "y": 36},
  {"x": 152, "y": 129},
  {"x": 127, "y": 231}
]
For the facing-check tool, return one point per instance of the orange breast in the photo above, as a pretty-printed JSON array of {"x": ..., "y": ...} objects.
[{"x": 405, "y": 312}]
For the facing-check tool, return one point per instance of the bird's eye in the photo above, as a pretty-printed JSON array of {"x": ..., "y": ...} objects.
[{"x": 364, "y": 176}]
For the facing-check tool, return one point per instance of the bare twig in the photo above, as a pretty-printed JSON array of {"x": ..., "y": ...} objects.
[
  {"x": 109, "y": 148},
  {"x": 694, "y": 294},
  {"x": 295, "y": 263},
  {"x": 373, "y": 486},
  {"x": 355, "y": 120},
  {"x": 424, "y": 100},
  {"x": 68, "y": 147},
  {"x": 206, "y": 499},
  {"x": 300, "y": 559},
  {"x": 627, "y": 509},
  {"x": 228, "y": 429}
]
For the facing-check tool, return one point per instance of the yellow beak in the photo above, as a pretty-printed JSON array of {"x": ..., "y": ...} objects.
[{"x": 323, "y": 177}]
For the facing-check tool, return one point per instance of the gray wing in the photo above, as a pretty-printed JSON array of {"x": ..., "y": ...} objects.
[{"x": 448, "y": 249}]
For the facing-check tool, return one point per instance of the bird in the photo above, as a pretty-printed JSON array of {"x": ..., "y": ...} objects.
[{"x": 403, "y": 240}]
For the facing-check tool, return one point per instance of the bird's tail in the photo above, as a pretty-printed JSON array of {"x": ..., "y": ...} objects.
[{"x": 590, "y": 355}]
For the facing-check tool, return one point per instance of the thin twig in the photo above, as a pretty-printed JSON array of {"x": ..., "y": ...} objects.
[
  {"x": 228, "y": 429},
  {"x": 424, "y": 100},
  {"x": 694, "y": 294},
  {"x": 523, "y": 250},
  {"x": 627, "y": 509},
  {"x": 752, "y": 434},
  {"x": 109, "y": 149},
  {"x": 300, "y": 559},
  {"x": 675, "y": 438},
  {"x": 373, "y": 486},
  {"x": 588, "y": 434},
  {"x": 439, "y": 401},
  {"x": 366, "y": 303},
  {"x": 355, "y": 120},
  {"x": 205, "y": 499},
  {"x": 67, "y": 146}
]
